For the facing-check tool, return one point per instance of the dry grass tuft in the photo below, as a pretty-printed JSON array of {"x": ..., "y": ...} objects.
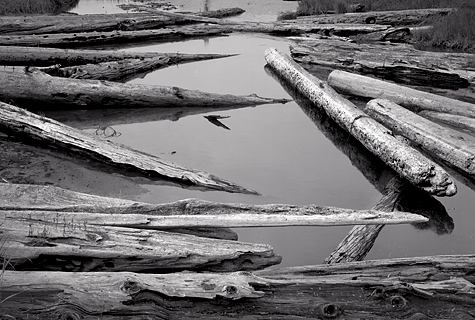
[{"x": 17, "y": 7}]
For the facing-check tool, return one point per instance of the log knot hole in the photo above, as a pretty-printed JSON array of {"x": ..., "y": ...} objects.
[
  {"x": 130, "y": 287},
  {"x": 329, "y": 311}
]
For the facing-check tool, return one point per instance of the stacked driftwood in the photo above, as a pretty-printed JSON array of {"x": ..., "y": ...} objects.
[{"x": 180, "y": 260}]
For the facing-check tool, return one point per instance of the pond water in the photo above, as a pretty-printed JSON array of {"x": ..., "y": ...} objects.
[{"x": 286, "y": 152}]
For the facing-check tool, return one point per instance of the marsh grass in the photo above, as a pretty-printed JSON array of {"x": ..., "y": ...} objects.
[{"x": 14, "y": 7}]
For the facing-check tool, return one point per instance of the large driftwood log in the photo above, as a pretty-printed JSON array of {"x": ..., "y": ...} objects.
[
  {"x": 415, "y": 100},
  {"x": 397, "y": 62},
  {"x": 394, "y": 18},
  {"x": 406, "y": 161},
  {"x": 49, "y": 133},
  {"x": 441, "y": 143},
  {"x": 42, "y": 24},
  {"x": 38, "y": 90},
  {"x": 455, "y": 121},
  {"x": 412, "y": 288},
  {"x": 42, "y": 57}
]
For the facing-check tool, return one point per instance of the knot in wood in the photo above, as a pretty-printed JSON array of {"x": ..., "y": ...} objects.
[
  {"x": 130, "y": 287},
  {"x": 230, "y": 290},
  {"x": 329, "y": 311},
  {"x": 398, "y": 301}
]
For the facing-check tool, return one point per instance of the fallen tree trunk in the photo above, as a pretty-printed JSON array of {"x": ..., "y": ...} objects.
[
  {"x": 441, "y": 143},
  {"x": 43, "y": 57},
  {"x": 455, "y": 121},
  {"x": 52, "y": 134},
  {"x": 38, "y": 90},
  {"x": 415, "y": 100},
  {"x": 43, "y": 24},
  {"x": 406, "y": 161},
  {"x": 411, "y": 288},
  {"x": 397, "y": 62},
  {"x": 393, "y": 18}
]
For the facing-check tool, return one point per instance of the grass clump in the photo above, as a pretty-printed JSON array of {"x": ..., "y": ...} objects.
[{"x": 17, "y": 7}]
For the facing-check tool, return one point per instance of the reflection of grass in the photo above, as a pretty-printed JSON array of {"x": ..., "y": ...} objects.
[{"x": 35, "y": 6}]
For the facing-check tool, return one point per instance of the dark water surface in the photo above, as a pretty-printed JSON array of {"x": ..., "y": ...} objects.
[{"x": 290, "y": 154}]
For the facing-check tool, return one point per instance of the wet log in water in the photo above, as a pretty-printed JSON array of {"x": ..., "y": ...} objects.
[
  {"x": 397, "y": 62},
  {"x": 48, "y": 133},
  {"x": 415, "y": 100},
  {"x": 37, "y": 90},
  {"x": 441, "y": 143},
  {"x": 406, "y": 161},
  {"x": 438, "y": 287}
]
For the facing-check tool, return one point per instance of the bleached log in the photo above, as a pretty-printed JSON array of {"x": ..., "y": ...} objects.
[
  {"x": 440, "y": 142},
  {"x": 410, "y": 288},
  {"x": 459, "y": 122},
  {"x": 406, "y": 161},
  {"x": 416, "y": 100},
  {"x": 35, "y": 89},
  {"x": 33, "y": 128},
  {"x": 396, "y": 62}
]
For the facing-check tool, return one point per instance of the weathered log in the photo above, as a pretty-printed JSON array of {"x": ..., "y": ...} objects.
[
  {"x": 48, "y": 202},
  {"x": 455, "y": 121},
  {"x": 43, "y": 24},
  {"x": 411, "y": 288},
  {"x": 41, "y": 57},
  {"x": 38, "y": 90},
  {"x": 52, "y": 134},
  {"x": 441, "y": 143},
  {"x": 397, "y": 62},
  {"x": 415, "y": 100},
  {"x": 406, "y": 161},
  {"x": 393, "y": 18}
]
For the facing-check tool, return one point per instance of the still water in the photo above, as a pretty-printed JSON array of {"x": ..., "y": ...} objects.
[{"x": 285, "y": 152}]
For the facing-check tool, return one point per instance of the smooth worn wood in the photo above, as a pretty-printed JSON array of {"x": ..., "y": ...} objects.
[
  {"x": 455, "y": 121},
  {"x": 48, "y": 133},
  {"x": 405, "y": 160},
  {"x": 397, "y": 62},
  {"x": 438, "y": 287},
  {"x": 440, "y": 142},
  {"x": 361, "y": 86},
  {"x": 43, "y": 57},
  {"x": 37, "y": 90},
  {"x": 393, "y": 18}
]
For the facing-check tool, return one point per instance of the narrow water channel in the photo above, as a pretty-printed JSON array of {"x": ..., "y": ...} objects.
[{"x": 280, "y": 151}]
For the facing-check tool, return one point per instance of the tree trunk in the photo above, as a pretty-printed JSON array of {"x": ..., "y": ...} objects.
[
  {"x": 410, "y": 288},
  {"x": 37, "y": 90},
  {"x": 393, "y": 18},
  {"x": 415, "y": 100},
  {"x": 52, "y": 134},
  {"x": 397, "y": 62},
  {"x": 441, "y": 143},
  {"x": 406, "y": 161},
  {"x": 455, "y": 121},
  {"x": 43, "y": 24},
  {"x": 43, "y": 57}
]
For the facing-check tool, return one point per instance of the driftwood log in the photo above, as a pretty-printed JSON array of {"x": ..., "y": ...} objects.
[
  {"x": 406, "y": 161},
  {"x": 38, "y": 90},
  {"x": 438, "y": 287},
  {"x": 361, "y": 86},
  {"x": 393, "y": 18},
  {"x": 52, "y": 134},
  {"x": 459, "y": 122},
  {"x": 441, "y": 143},
  {"x": 397, "y": 62}
]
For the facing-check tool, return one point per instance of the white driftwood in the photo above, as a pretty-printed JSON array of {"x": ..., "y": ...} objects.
[
  {"x": 35, "y": 128},
  {"x": 406, "y": 161},
  {"x": 362, "y": 86},
  {"x": 459, "y": 122},
  {"x": 440, "y": 142}
]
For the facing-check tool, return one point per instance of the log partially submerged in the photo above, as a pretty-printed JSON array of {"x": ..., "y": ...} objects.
[
  {"x": 415, "y": 100},
  {"x": 37, "y": 90},
  {"x": 441, "y": 143},
  {"x": 397, "y": 62},
  {"x": 52, "y": 134},
  {"x": 406, "y": 161},
  {"x": 410, "y": 288}
]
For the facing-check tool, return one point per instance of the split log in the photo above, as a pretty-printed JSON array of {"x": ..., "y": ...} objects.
[
  {"x": 37, "y": 90},
  {"x": 415, "y": 100},
  {"x": 397, "y": 62},
  {"x": 455, "y": 121},
  {"x": 43, "y": 24},
  {"x": 439, "y": 142},
  {"x": 406, "y": 161},
  {"x": 411, "y": 288},
  {"x": 393, "y": 18},
  {"x": 52, "y": 134},
  {"x": 42, "y": 57}
]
